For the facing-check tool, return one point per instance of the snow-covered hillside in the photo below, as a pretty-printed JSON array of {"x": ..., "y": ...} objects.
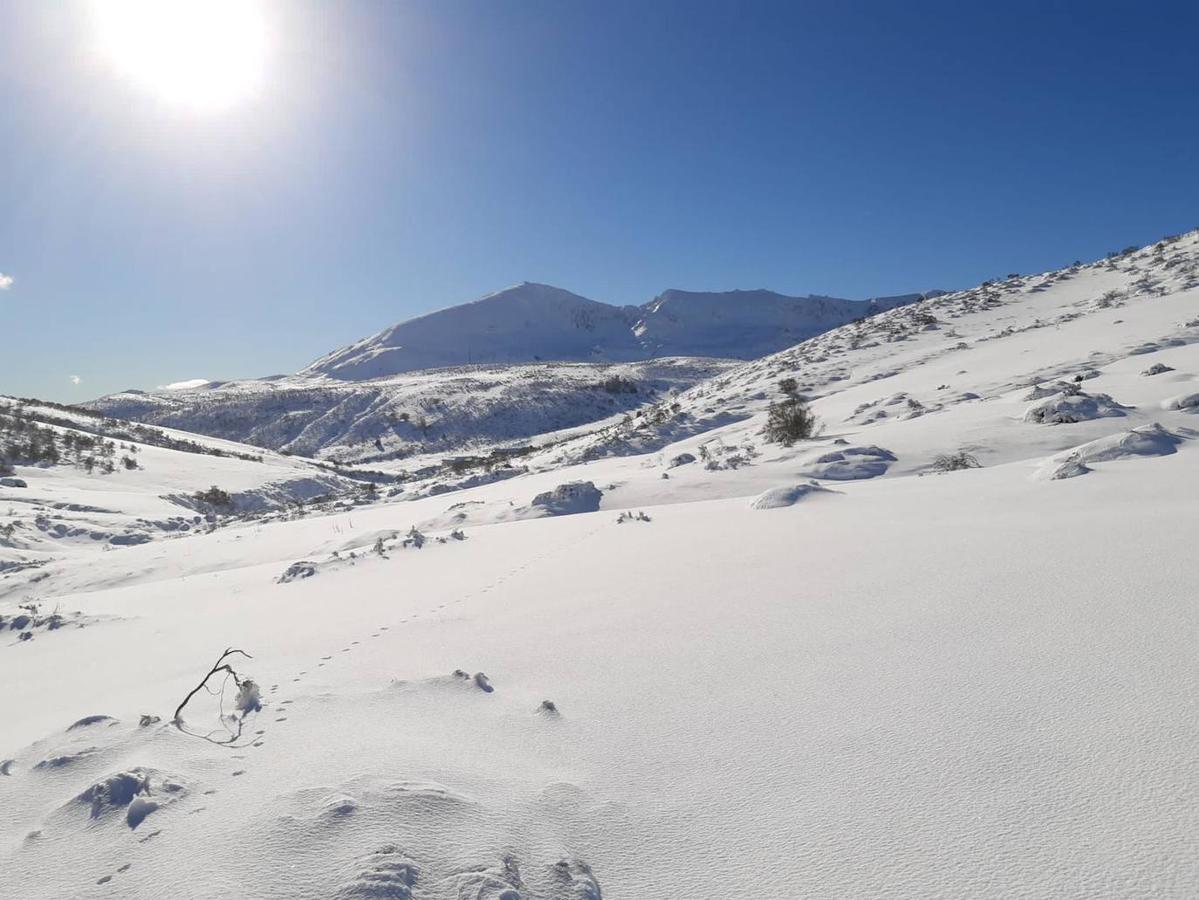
[
  {"x": 438, "y": 411},
  {"x": 945, "y": 649},
  {"x": 746, "y": 324},
  {"x": 81, "y": 484}
]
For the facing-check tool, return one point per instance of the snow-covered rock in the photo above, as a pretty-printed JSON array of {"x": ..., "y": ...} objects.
[
  {"x": 789, "y": 495},
  {"x": 1064, "y": 408},
  {"x": 850, "y": 464},
  {"x": 567, "y": 499}
]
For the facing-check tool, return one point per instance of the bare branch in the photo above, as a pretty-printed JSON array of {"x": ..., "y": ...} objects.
[{"x": 219, "y": 666}]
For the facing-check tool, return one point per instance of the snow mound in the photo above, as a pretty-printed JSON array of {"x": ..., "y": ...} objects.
[
  {"x": 1071, "y": 469},
  {"x": 1065, "y": 408},
  {"x": 851, "y": 464},
  {"x": 1147, "y": 440},
  {"x": 87, "y": 721},
  {"x": 568, "y": 499},
  {"x": 778, "y": 497},
  {"x": 134, "y": 794},
  {"x": 1158, "y": 369},
  {"x": 387, "y": 872},
  {"x": 1188, "y": 402}
]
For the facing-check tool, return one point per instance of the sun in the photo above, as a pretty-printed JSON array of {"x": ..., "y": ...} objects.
[{"x": 205, "y": 54}]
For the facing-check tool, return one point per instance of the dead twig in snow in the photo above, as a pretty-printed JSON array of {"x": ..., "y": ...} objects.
[{"x": 219, "y": 666}]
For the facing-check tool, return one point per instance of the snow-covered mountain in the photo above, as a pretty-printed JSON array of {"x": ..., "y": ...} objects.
[
  {"x": 529, "y": 360},
  {"x": 944, "y": 648},
  {"x": 525, "y": 323},
  {"x": 534, "y": 322}
]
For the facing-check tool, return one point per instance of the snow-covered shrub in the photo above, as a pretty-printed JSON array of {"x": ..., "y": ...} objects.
[
  {"x": 249, "y": 697},
  {"x": 954, "y": 462},
  {"x": 788, "y": 421},
  {"x": 631, "y": 517},
  {"x": 214, "y": 496}
]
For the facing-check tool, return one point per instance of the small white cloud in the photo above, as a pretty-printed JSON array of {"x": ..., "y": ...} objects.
[
  {"x": 5, "y": 281},
  {"x": 183, "y": 385},
  {"x": 75, "y": 379}
]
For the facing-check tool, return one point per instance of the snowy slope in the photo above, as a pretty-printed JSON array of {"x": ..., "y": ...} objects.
[
  {"x": 817, "y": 671},
  {"x": 462, "y": 409},
  {"x": 57, "y": 517},
  {"x": 746, "y": 324}
]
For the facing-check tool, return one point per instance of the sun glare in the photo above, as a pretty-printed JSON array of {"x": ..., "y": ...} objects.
[{"x": 207, "y": 54}]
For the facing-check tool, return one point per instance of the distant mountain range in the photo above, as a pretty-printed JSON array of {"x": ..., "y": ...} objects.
[
  {"x": 528, "y": 360},
  {"x": 537, "y": 322}
]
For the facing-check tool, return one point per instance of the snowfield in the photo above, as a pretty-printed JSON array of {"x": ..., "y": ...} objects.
[{"x": 828, "y": 670}]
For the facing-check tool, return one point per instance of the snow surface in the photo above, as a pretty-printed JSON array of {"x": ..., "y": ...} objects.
[{"x": 975, "y": 684}]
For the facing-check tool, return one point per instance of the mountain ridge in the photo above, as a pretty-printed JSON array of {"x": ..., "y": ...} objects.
[{"x": 534, "y": 322}]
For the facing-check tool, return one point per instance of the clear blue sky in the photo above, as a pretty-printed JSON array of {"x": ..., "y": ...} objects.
[{"x": 402, "y": 156}]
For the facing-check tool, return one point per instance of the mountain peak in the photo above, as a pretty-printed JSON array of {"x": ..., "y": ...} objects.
[
  {"x": 524, "y": 322},
  {"x": 532, "y": 321}
]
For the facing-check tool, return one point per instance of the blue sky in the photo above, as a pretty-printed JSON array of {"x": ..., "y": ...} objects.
[{"x": 401, "y": 157}]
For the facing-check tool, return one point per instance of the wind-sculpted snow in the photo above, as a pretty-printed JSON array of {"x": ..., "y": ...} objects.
[
  {"x": 1147, "y": 440},
  {"x": 779, "y": 497},
  {"x": 1188, "y": 402}
]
